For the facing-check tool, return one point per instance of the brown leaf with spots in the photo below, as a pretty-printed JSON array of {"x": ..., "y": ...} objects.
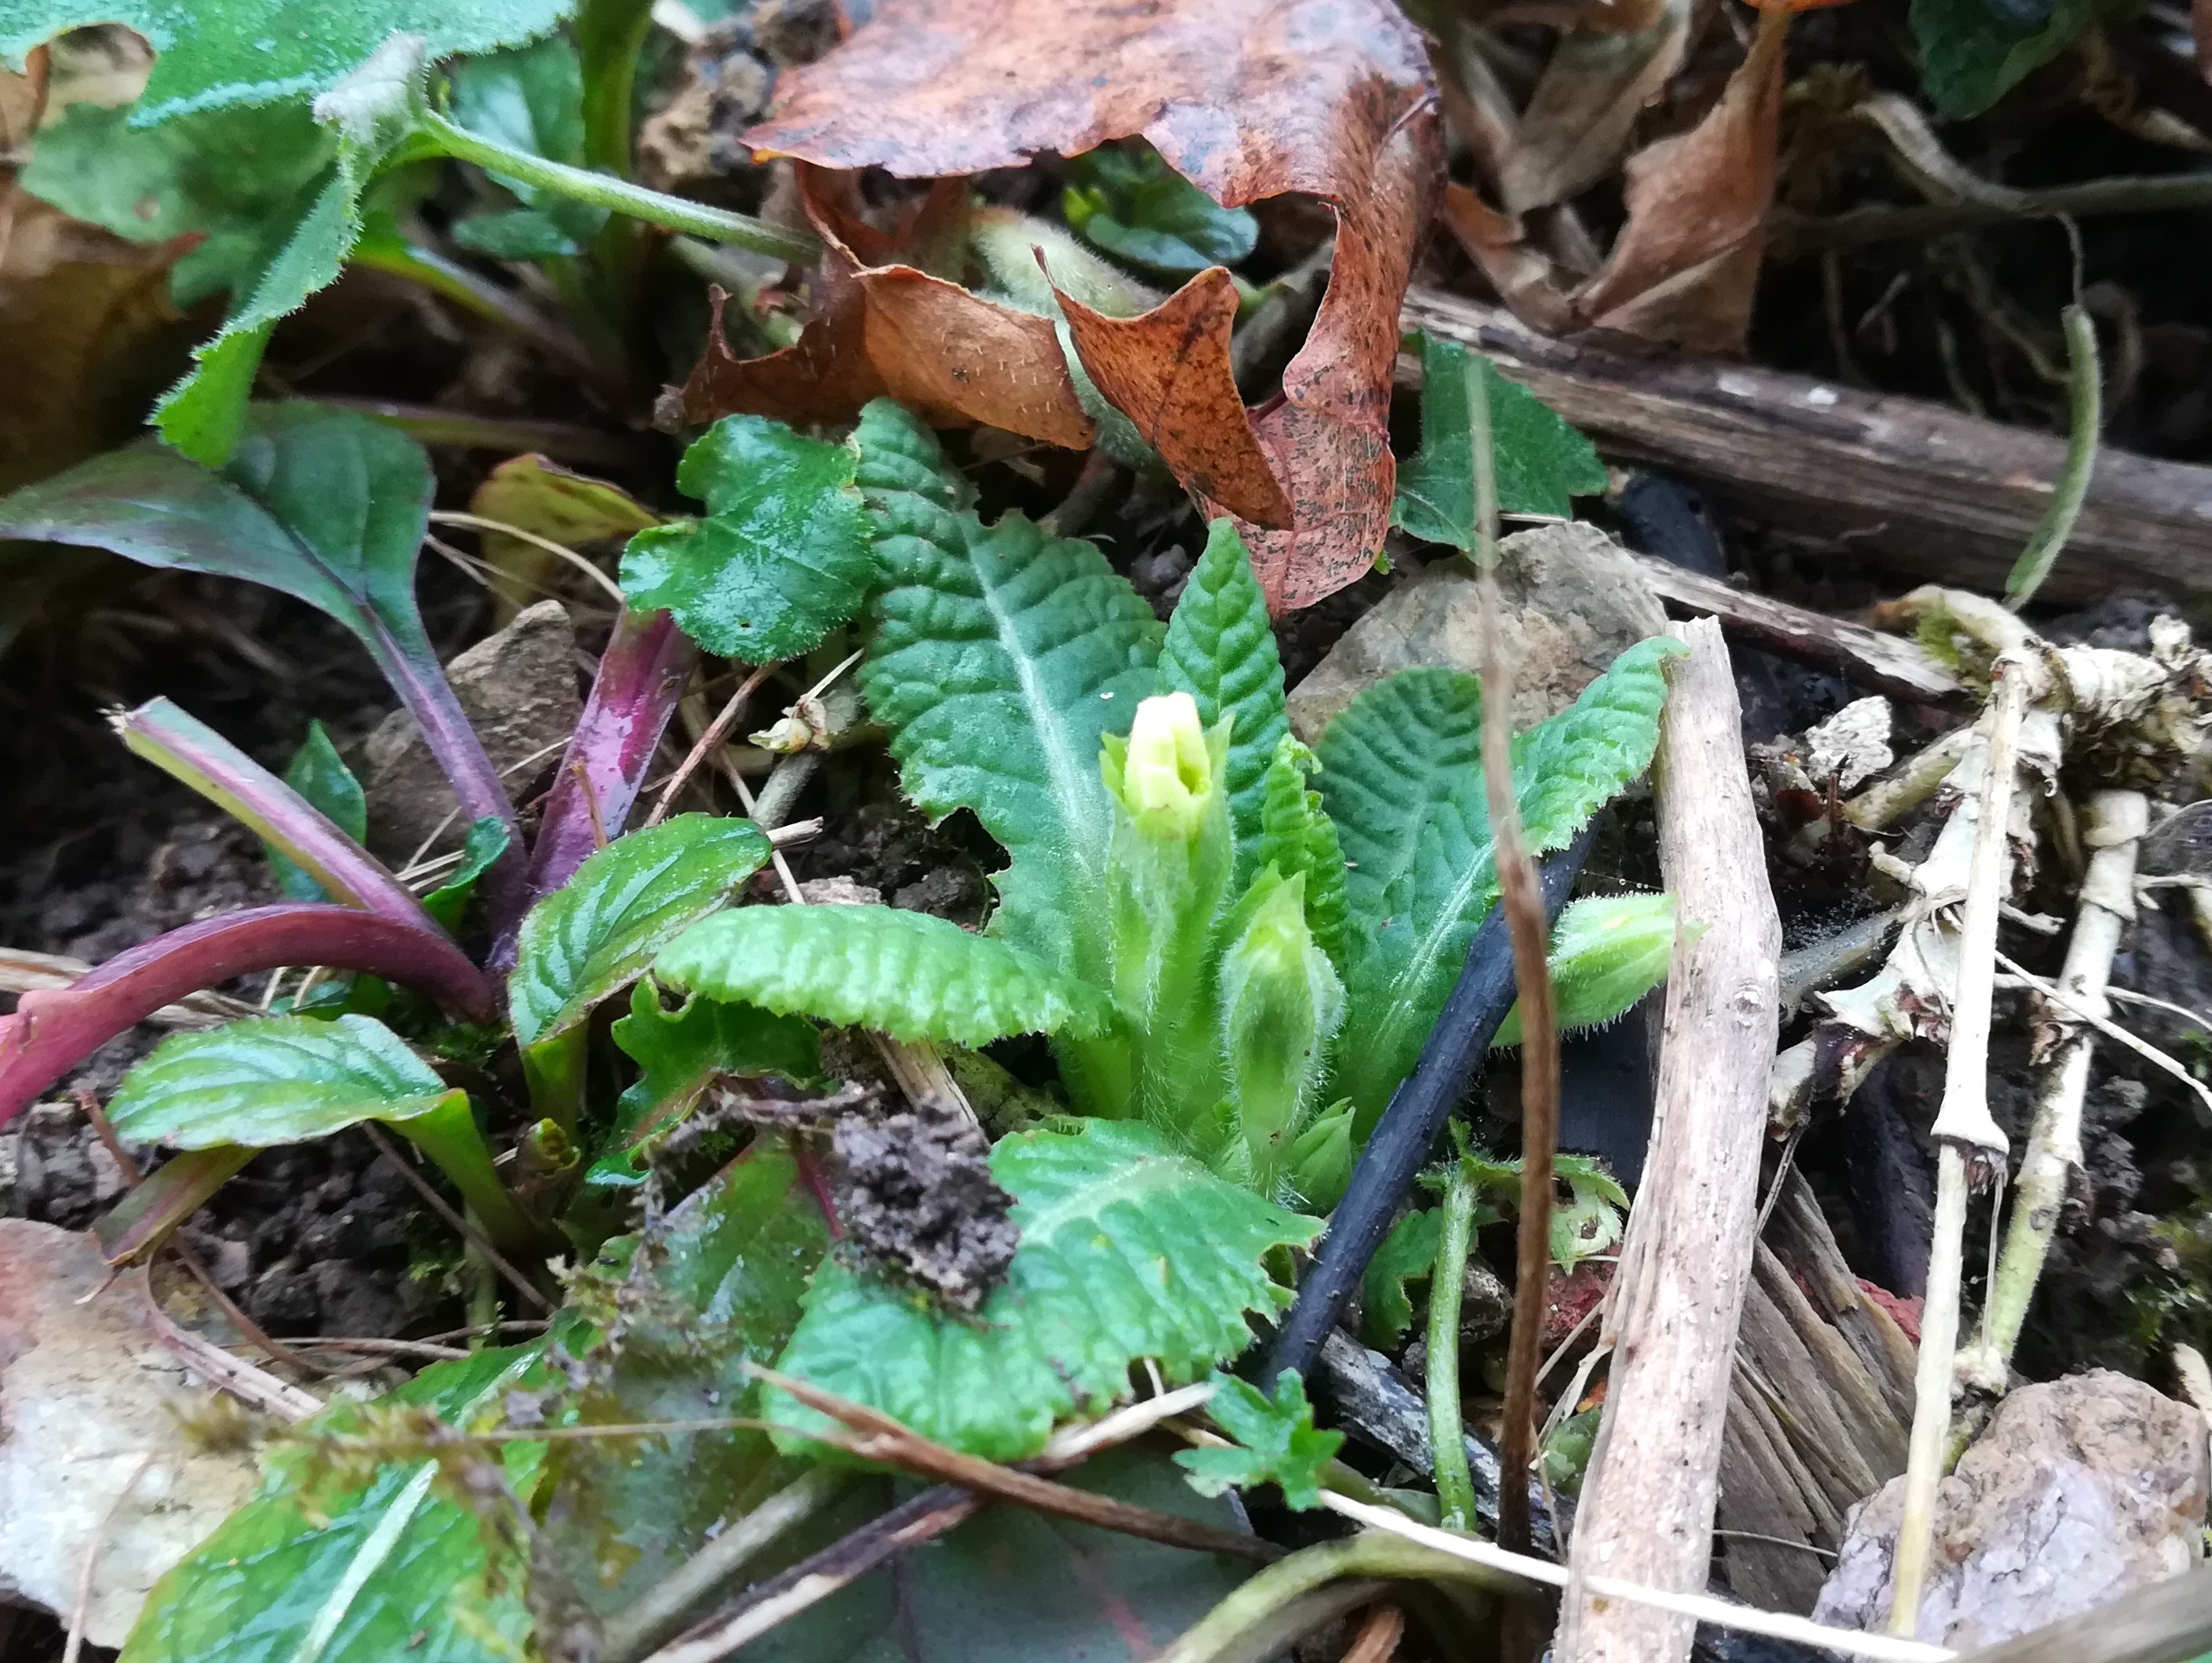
[
  {"x": 1524, "y": 276},
  {"x": 892, "y": 329},
  {"x": 1167, "y": 371},
  {"x": 1247, "y": 99}
]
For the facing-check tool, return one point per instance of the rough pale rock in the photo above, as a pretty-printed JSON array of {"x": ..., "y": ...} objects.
[
  {"x": 2080, "y": 1492},
  {"x": 1574, "y": 602},
  {"x": 518, "y": 688}
]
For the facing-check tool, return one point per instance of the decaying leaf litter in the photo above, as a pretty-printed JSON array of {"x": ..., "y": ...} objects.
[{"x": 918, "y": 1008}]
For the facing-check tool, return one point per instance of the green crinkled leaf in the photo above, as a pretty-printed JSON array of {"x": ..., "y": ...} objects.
[
  {"x": 213, "y": 53},
  {"x": 1407, "y": 1254},
  {"x": 1297, "y": 837},
  {"x": 1541, "y": 463},
  {"x": 1972, "y": 52},
  {"x": 391, "y": 1569},
  {"x": 1220, "y": 649},
  {"x": 713, "y": 1286},
  {"x": 275, "y": 1080},
  {"x": 1127, "y": 1251},
  {"x": 1403, "y": 779},
  {"x": 1134, "y": 206},
  {"x": 1608, "y": 952},
  {"x": 319, "y": 773},
  {"x": 681, "y": 1053},
  {"x": 783, "y": 556},
  {"x": 1276, "y": 1443},
  {"x": 908, "y": 974},
  {"x": 240, "y": 179},
  {"x": 487, "y": 840},
  {"x": 595, "y": 935},
  {"x": 998, "y": 657}
]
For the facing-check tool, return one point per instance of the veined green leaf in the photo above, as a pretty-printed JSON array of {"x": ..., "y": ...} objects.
[
  {"x": 998, "y": 657},
  {"x": 1407, "y": 1254},
  {"x": 683, "y": 1052},
  {"x": 1608, "y": 952},
  {"x": 595, "y": 935},
  {"x": 390, "y": 1570},
  {"x": 906, "y": 974},
  {"x": 319, "y": 773},
  {"x": 1128, "y": 1251},
  {"x": 1402, "y": 776},
  {"x": 212, "y": 53},
  {"x": 1136, "y": 207},
  {"x": 1220, "y": 649},
  {"x": 241, "y": 180},
  {"x": 1276, "y": 1443},
  {"x": 1296, "y": 838},
  {"x": 783, "y": 556},
  {"x": 1541, "y": 463}
]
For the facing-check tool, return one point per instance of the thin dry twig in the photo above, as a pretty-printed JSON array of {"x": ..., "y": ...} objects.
[
  {"x": 562, "y": 551},
  {"x": 708, "y": 742},
  {"x": 249, "y": 1385},
  {"x": 1378, "y": 1637},
  {"x": 437, "y": 1203}
]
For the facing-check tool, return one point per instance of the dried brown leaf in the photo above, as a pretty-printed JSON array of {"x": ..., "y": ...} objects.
[
  {"x": 1524, "y": 276},
  {"x": 1580, "y": 120},
  {"x": 1684, "y": 266},
  {"x": 1168, "y": 370},
  {"x": 1247, "y": 99}
]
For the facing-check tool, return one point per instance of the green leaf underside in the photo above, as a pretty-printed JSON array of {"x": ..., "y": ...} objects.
[
  {"x": 1974, "y": 52},
  {"x": 1402, "y": 776},
  {"x": 595, "y": 935},
  {"x": 275, "y": 1080},
  {"x": 681, "y": 1053},
  {"x": 325, "y": 505},
  {"x": 241, "y": 180},
  {"x": 319, "y": 773},
  {"x": 1541, "y": 463},
  {"x": 395, "y": 1570},
  {"x": 1276, "y": 1443},
  {"x": 1407, "y": 1254},
  {"x": 1608, "y": 952},
  {"x": 1127, "y": 1251},
  {"x": 1134, "y": 207},
  {"x": 906, "y": 974},
  {"x": 781, "y": 559},
  {"x": 213, "y": 53},
  {"x": 1220, "y": 649},
  {"x": 998, "y": 657}
]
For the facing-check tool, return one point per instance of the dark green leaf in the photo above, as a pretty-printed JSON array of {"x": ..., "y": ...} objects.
[
  {"x": 1407, "y": 1254},
  {"x": 218, "y": 52},
  {"x": 319, "y": 773},
  {"x": 1220, "y": 649},
  {"x": 1128, "y": 1251},
  {"x": 487, "y": 840},
  {"x": 1134, "y": 206},
  {"x": 1542, "y": 465},
  {"x": 389, "y": 1569},
  {"x": 998, "y": 657},
  {"x": 522, "y": 233},
  {"x": 1972, "y": 52},
  {"x": 782, "y": 558},
  {"x": 595, "y": 936},
  {"x": 1276, "y": 1443},
  {"x": 906, "y": 974},
  {"x": 532, "y": 100}
]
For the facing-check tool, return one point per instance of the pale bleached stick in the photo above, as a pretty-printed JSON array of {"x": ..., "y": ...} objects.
[{"x": 1647, "y": 1510}]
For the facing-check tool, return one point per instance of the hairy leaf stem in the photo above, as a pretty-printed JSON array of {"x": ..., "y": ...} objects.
[{"x": 1446, "y": 1434}]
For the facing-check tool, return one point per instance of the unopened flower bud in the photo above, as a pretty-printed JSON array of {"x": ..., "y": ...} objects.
[{"x": 1168, "y": 773}]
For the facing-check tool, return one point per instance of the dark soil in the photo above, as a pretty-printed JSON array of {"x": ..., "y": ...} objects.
[{"x": 914, "y": 1192}]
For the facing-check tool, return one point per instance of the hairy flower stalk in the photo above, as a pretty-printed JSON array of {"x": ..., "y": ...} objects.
[{"x": 1280, "y": 1003}]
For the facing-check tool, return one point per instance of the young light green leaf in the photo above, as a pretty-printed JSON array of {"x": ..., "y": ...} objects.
[
  {"x": 262, "y": 51},
  {"x": 1403, "y": 779},
  {"x": 533, "y": 494},
  {"x": 998, "y": 657},
  {"x": 1608, "y": 952},
  {"x": 1220, "y": 649},
  {"x": 681, "y": 1053},
  {"x": 319, "y": 773},
  {"x": 595, "y": 935},
  {"x": 783, "y": 556},
  {"x": 1128, "y": 1251},
  {"x": 906, "y": 974},
  {"x": 1276, "y": 1443},
  {"x": 1134, "y": 207},
  {"x": 1542, "y": 464},
  {"x": 488, "y": 839},
  {"x": 386, "y": 1570},
  {"x": 1407, "y": 1254},
  {"x": 1588, "y": 1222},
  {"x": 240, "y": 179},
  {"x": 1297, "y": 839},
  {"x": 1972, "y": 52}
]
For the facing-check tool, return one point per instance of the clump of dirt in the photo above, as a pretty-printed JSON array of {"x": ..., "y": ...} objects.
[
  {"x": 916, "y": 1193},
  {"x": 873, "y": 836}
]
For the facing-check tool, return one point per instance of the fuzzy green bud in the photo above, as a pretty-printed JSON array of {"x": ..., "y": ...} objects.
[
  {"x": 1280, "y": 1005},
  {"x": 1608, "y": 952}
]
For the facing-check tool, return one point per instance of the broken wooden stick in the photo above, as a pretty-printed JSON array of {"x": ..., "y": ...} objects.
[
  {"x": 1918, "y": 486},
  {"x": 1647, "y": 1507}
]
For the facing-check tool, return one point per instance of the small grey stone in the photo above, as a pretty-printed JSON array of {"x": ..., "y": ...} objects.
[{"x": 1574, "y": 603}]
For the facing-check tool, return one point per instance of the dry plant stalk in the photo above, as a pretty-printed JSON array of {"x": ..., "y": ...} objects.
[{"x": 1647, "y": 1508}]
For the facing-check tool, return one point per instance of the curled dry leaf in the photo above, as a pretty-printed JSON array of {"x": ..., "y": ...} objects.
[
  {"x": 1524, "y": 276},
  {"x": 1582, "y": 117},
  {"x": 890, "y": 328},
  {"x": 1247, "y": 99}
]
